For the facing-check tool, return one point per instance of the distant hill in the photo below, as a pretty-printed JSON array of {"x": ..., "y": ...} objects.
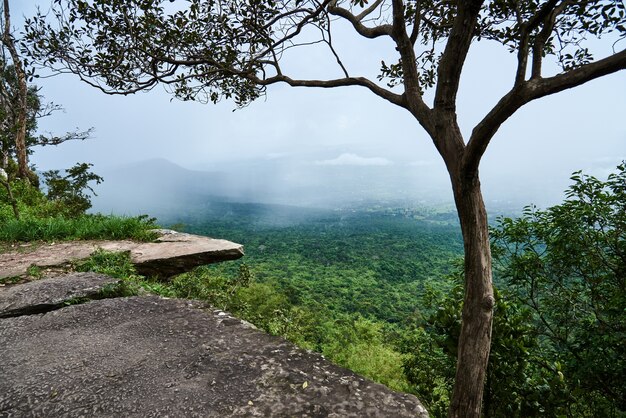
[{"x": 153, "y": 186}]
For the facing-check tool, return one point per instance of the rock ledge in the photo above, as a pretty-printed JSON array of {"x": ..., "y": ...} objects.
[{"x": 172, "y": 253}]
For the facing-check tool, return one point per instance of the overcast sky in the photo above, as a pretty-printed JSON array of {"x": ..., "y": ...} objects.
[{"x": 535, "y": 151}]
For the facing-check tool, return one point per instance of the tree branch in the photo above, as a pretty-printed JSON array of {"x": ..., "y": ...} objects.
[
  {"x": 329, "y": 42},
  {"x": 361, "y": 29},
  {"x": 412, "y": 90},
  {"x": 415, "y": 31},
  {"x": 368, "y": 11},
  {"x": 542, "y": 37},
  {"x": 527, "y": 92},
  {"x": 394, "y": 98},
  {"x": 526, "y": 29},
  {"x": 454, "y": 54},
  {"x": 309, "y": 17}
]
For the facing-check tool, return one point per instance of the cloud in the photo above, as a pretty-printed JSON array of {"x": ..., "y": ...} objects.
[{"x": 353, "y": 159}]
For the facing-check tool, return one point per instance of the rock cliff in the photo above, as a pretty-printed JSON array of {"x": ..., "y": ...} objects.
[{"x": 72, "y": 347}]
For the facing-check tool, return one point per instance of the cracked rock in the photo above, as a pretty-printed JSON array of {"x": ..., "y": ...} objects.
[{"x": 46, "y": 295}]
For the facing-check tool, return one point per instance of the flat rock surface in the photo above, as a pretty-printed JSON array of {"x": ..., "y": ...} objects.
[
  {"x": 45, "y": 295},
  {"x": 172, "y": 253},
  {"x": 153, "y": 357}
]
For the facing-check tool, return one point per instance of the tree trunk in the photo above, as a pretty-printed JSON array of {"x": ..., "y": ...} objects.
[
  {"x": 20, "y": 135},
  {"x": 475, "y": 338},
  {"x": 7, "y": 185}
]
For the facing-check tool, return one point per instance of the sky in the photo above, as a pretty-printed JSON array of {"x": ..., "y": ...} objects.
[{"x": 305, "y": 130}]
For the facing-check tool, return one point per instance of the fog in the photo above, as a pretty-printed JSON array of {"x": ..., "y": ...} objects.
[{"x": 330, "y": 148}]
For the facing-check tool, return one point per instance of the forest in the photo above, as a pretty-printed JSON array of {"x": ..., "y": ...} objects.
[{"x": 380, "y": 291}]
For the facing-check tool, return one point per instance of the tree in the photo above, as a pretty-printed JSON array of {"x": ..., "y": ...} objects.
[
  {"x": 21, "y": 107},
  {"x": 71, "y": 190},
  {"x": 21, "y": 96},
  {"x": 10, "y": 120},
  {"x": 567, "y": 264},
  {"x": 208, "y": 50}
]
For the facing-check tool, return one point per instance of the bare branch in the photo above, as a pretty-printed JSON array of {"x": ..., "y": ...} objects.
[
  {"x": 416, "y": 22},
  {"x": 412, "y": 89},
  {"x": 329, "y": 42},
  {"x": 309, "y": 17},
  {"x": 543, "y": 15},
  {"x": 542, "y": 38},
  {"x": 44, "y": 140}
]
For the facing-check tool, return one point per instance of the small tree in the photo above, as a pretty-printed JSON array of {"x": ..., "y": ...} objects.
[
  {"x": 211, "y": 49},
  {"x": 70, "y": 190}
]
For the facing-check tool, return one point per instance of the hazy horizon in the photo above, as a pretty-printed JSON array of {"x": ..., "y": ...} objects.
[{"x": 160, "y": 187}]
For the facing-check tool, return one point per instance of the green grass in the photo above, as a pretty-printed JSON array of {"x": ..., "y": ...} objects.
[{"x": 84, "y": 227}]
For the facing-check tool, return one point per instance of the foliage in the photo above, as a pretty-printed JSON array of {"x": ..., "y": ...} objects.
[
  {"x": 70, "y": 190},
  {"x": 61, "y": 218},
  {"x": 114, "y": 264},
  {"x": 20, "y": 108},
  {"x": 558, "y": 331},
  {"x": 360, "y": 345},
  {"x": 520, "y": 381},
  {"x": 8, "y": 114},
  {"x": 567, "y": 264}
]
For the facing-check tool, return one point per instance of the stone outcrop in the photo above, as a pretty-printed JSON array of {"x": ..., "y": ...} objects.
[
  {"x": 149, "y": 356},
  {"x": 172, "y": 253}
]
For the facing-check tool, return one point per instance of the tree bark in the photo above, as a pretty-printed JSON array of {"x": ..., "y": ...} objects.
[
  {"x": 20, "y": 135},
  {"x": 477, "y": 316}
]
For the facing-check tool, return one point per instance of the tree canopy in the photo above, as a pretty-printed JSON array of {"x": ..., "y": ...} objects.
[{"x": 206, "y": 50}]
